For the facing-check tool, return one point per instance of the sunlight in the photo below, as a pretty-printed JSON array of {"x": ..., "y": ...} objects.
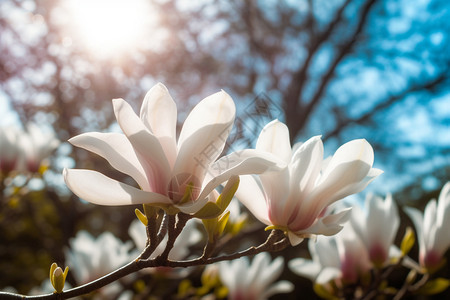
[{"x": 109, "y": 27}]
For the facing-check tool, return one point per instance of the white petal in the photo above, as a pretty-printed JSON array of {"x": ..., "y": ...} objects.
[
  {"x": 96, "y": 188},
  {"x": 305, "y": 166},
  {"x": 294, "y": 239},
  {"x": 274, "y": 138},
  {"x": 280, "y": 287},
  {"x": 243, "y": 162},
  {"x": 147, "y": 147},
  {"x": 356, "y": 150},
  {"x": 117, "y": 150},
  {"x": 328, "y": 274},
  {"x": 159, "y": 114},
  {"x": 251, "y": 196},
  {"x": 305, "y": 268},
  {"x": 204, "y": 134},
  {"x": 417, "y": 218}
]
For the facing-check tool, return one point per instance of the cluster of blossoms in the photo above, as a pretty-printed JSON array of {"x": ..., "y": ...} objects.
[
  {"x": 184, "y": 183},
  {"x": 25, "y": 151},
  {"x": 292, "y": 193}
]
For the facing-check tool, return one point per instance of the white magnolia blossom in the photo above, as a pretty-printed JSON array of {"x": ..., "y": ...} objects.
[
  {"x": 377, "y": 227},
  {"x": 342, "y": 257},
  {"x": 253, "y": 281},
  {"x": 433, "y": 229},
  {"x": 9, "y": 148},
  {"x": 177, "y": 173},
  {"x": 90, "y": 258},
  {"x": 36, "y": 145},
  {"x": 295, "y": 199}
]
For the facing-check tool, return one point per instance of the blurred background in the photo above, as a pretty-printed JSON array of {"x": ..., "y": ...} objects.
[{"x": 343, "y": 69}]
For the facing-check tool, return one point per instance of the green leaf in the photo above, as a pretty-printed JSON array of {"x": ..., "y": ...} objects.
[
  {"x": 210, "y": 210},
  {"x": 52, "y": 270},
  {"x": 141, "y": 217},
  {"x": 435, "y": 286},
  {"x": 323, "y": 292},
  {"x": 222, "y": 222},
  {"x": 228, "y": 192},
  {"x": 408, "y": 241}
]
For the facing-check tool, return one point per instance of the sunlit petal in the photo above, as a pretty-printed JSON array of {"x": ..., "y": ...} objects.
[
  {"x": 274, "y": 138},
  {"x": 147, "y": 147},
  {"x": 117, "y": 150},
  {"x": 159, "y": 115},
  {"x": 204, "y": 133},
  {"x": 96, "y": 188}
]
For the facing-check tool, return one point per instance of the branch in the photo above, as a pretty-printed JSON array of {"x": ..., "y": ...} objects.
[
  {"x": 276, "y": 241},
  {"x": 385, "y": 104}
]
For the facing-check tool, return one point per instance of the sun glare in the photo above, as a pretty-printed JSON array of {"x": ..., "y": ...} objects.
[{"x": 109, "y": 27}]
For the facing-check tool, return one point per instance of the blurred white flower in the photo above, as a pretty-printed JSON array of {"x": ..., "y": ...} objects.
[
  {"x": 90, "y": 258},
  {"x": 377, "y": 226},
  {"x": 9, "y": 148},
  {"x": 36, "y": 145},
  {"x": 433, "y": 229},
  {"x": 253, "y": 281},
  {"x": 296, "y": 198},
  {"x": 342, "y": 258},
  {"x": 179, "y": 174}
]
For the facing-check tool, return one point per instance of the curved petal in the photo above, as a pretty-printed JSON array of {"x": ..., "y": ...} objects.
[
  {"x": 159, "y": 115},
  {"x": 117, "y": 150},
  {"x": 305, "y": 166},
  {"x": 279, "y": 287},
  {"x": 147, "y": 147},
  {"x": 274, "y": 138},
  {"x": 204, "y": 134},
  {"x": 96, "y": 188},
  {"x": 243, "y": 162},
  {"x": 355, "y": 150},
  {"x": 250, "y": 194}
]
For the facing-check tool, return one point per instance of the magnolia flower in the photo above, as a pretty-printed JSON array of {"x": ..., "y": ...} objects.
[
  {"x": 36, "y": 145},
  {"x": 295, "y": 199},
  {"x": 342, "y": 258},
  {"x": 377, "y": 226},
  {"x": 177, "y": 174},
  {"x": 9, "y": 148},
  {"x": 432, "y": 229},
  {"x": 90, "y": 258},
  {"x": 253, "y": 281}
]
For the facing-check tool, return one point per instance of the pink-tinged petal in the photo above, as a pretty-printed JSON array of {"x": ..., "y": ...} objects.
[
  {"x": 117, "y": 150},
  {"x": 274, "y": 138},
  {"x": 147, "y": 147},
  {"x": 251, "y": 196},
  {"x": 96, "y": 188},
  {"x": 346, "y": 179},
  {"x": 329, "y": 225},
  {"x": 243, "y": 162},
  {"x": 203, "y": 135},
  {"x": 276, "y": 189},
  {"x": 159, "y": 115}
]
